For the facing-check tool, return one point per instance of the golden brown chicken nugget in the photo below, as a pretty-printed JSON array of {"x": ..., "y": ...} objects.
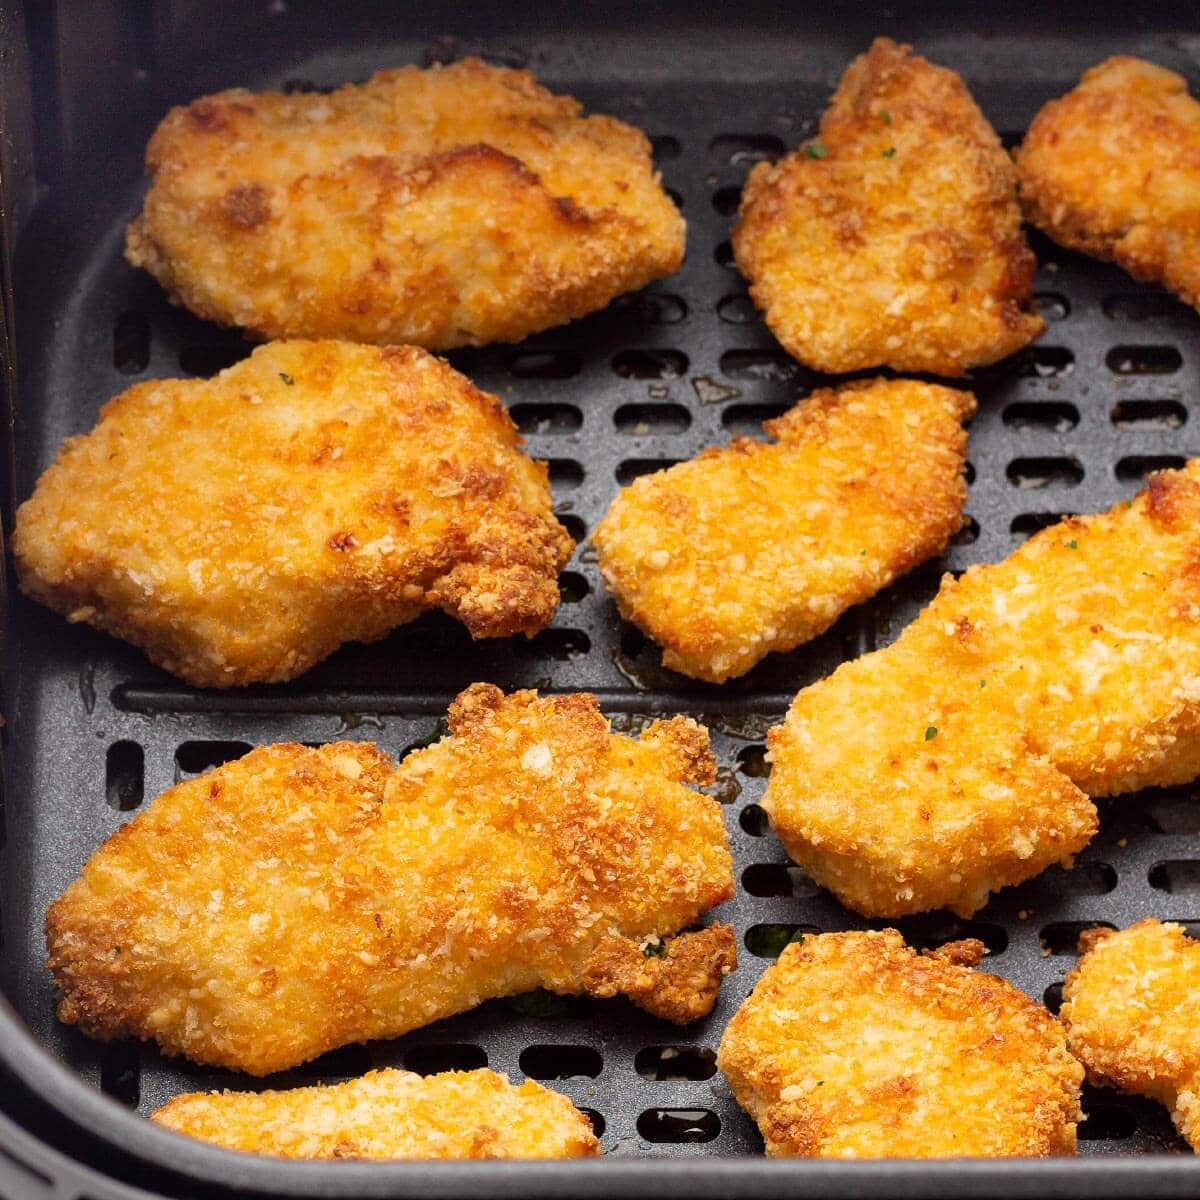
[
  {"x": 960, "y": 759},
  {"x": 893, "y": 239},
  {"x": 761, "y": 547},
  {"x": 1113, "y": 169},
  {"x": 297, "y": 900},
  {"x": 240, "y": 529},
  {"x": 444, "y": 207},
  {"x": 853, "y": 1046},
  {"x": 390, "y": 1114},
  {"x": 1131, "y": 1009}
]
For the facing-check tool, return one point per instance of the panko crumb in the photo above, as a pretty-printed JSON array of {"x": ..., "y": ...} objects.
[
  {"x": 1113, "y": 169},
  {"x": 368, "y": 485},
  {"x": 853, "y": 1046},
  {"x": 961, "y": 758},
  {"x": 445, "y": 207},
  {"x": 1131, "y": 1008},
  {"x": 893, "y": 238},
  {"x": 390, "y": 1114},
  {"x": 760, "y": 547},
  {"x": 282, "y": 905}
]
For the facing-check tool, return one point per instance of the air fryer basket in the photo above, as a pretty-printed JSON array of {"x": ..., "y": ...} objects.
[{"x": 93, "y": 732}]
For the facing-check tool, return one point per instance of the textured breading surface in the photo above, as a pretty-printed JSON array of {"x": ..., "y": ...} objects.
[
  {"x": 761, "y": 547},
  {"x": 1132, "y": 1013},
  {"x": 895, "y": 237},
  {"x": 1113, "y": 169},
  {"x": 242, "y": 528},
  {"x": 391, "y": 1114},
  {"x": 447, "y": 207},
  {"x": 297, "y": 899},
  {"x": 956, "y": 761},
  {"x": 852, "y": 1046}
]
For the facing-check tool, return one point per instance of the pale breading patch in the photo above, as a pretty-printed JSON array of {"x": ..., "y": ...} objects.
[
  {"x": 852, "y": 1046},
  {"x": 444, "y": 207},
  {"x": 960, "y": 759},
  {"x": 240, "y": 529},
  {"x": 762, "y": 546},
  {"x": 297, "y": 900}
]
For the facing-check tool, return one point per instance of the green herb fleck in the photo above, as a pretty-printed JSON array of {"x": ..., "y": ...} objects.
[
  {"x": 891, "y": 150},
  {"x": 885, "y": 116},
  {"x": 655, "y": 949},
  {"x": 816, "y": 150},
  {"x": 1072, "y": 545},
  {"x": 1148, "y": 574},
  {"x": 983, "y": 683},
  {"x": 538, "y": 1003},
  {"x": 820, "y": 1083},
  {"x": 116, "y": 950},
  {"x": 287, "y": 378},
  {"x": 862, "y": 553},
  {"x": 439, "y": 731},
  {"x": 930, "y": 732}
]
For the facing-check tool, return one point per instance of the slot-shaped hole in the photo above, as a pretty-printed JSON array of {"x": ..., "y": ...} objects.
[
  {"x": 747, "y": 419},
  {"x": 1084, "y": 879},
  {"x": 1062, "y": 937},
  {"x": 671, "y": 1064},
  {"x": 1135, "y": 467},
  {"x": 664, "y": 147},
  {"x": 545, "y": 419},
  {"x": 1052, "y": 306},
  {"x": 1055, "y": 417},
  {"x": 121, "y": 1072},
  {"x": 1140, "y": 306},
  {"x": 737, "y": 309},
  {"x": 430, "y": 1060},
  {"x": 573, "y": 587},
  {"x": 723, "y": 255},
  {"x": 632, "y": 641},
  {"x": 193, "y": 758},
  {"x": 778, "y": 879},
  {"x": 1153, "y": 414},
  {"x": 641, "y": 420},
  {"x": 1045, "y": 472},
  {"x": 346, "y": 1062},
  {"x": 745, "y": 149},
  {"x": 574, "y": 525},
  {"x": 1052, "y": 997},
  {"x": 753, "y": 819},
  {"x": 968, "y": 535},
  {"x": 678, "y": 1125},
  {"x": 565, "y": 474},
  {"x": 210, "y": 359},
  {"x": 652, "y": 308},
  {"x": 936, "y": 929},
  {"x": 1028, "y": 523},
  {"x": 544, "y": 364},
  {"x": 1045, "y": 362},
  {"x": 561, "y": 1062},
  {"x": 726, "y": 200},
  {"x": 1143, "y": 360},
  {"x": 769, "y": 939},
  {"x": 597, "y": 1119},
  {"x": 650, "y": 364},
  {"x": 562, "y": 645},
  {"x": 124, "y": 776},
  {"x": 1178, "y": 876},
  {"x": 770, "y": 366},
  {"x": 635, "y": 468},
  {"x": 1104, "y": 1120},
  {"x": 752, "y": 761},
  {"x": 131, "y": 343}
]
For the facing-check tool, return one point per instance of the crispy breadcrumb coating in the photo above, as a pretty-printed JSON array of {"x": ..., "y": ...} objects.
[
  {"x": 390, "y": 1114},
  {"x": 853, "y": 1046},
  {"x": 1113, "y": 169},
  {"x": 240, "y": 529},
  {"x": 761, "y": 547},
  {"x": 894, "y": 238},
  {"x": 1131, "y": 1009},
  {"x": 444, "y": 207},
  {"x": 297, "y": 900},
  {"x": 960, "y": 759}
]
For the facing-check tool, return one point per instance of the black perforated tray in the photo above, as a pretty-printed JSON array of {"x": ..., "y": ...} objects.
[{"x": 93, "y": 731}]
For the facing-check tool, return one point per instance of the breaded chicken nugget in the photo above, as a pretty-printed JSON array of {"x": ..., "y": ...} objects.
[
  {"x": 390, "y": 1114},
  {"x": 852, "y": 1046},
  {"x": 959, "y": 759},
  {"x": 448, "y": 207},
  {"x": 761, "y": 547},
  {"x": 894, "y": 239},
  {"x": 240, "y": 529},
  {"x": 1113, "y": 169},
  {"x": 297, "y": 900},
  {"x": 1132, "y": 1013}
]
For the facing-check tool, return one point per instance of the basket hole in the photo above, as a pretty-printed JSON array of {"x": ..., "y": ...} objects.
[
  {"x": 124, "y": 776},
  {"x": 346, "y": 1062},
  {"x": 1105, "y": 1121},
  {"x": 650, "y": 364},
  {"x": 544, "y": 364},
  {"x": 1056, "y": 417},
  {"x": 193, "y": 758},
  {"x": 633, "y": 640},
  {"x": 1052, "y": 997},
  {"x": 1136, "y": 467},
  {"x": 769, "y": 366},
  {"x": 562, "y": 645},
  {"x": 752, "y": 761},
  {"x": 1139, "y": 307},
  {"x": 1084, "y": 879},
  {"x": 723, "y": 255},
  {"x": 1159, "y": 414},
  {"x": 778, "y": 879},
  {"x": 635, "y": 468},
  {"x": 131, "y": 343},
  {"x": 1045, "y": 472},
  {"x": 430, "y": 1060},
  {"x": 560, "y": 1062},
  {"x": 726, "y": 200},
  {"x": 671, "y": 1064},
  {"x": 574, "y": 525},
  {"x": 747, "y": 419},
  {"x": 1062, "y": 937},
  {"x": 597, "y": 1119},
  {"x": 1034, "y": 362},
  {"x": 1052, "y": 306},
  {"x": 769, "y": 939},
  {"x": 641, "y": 420},
  {"x": 209, "y": 360},
  {"x": 439, "y": 731},
  {"x": 968, "y": 535},
  {"x": 665, "y": 147},
  {"x": 1179, "y": 876},
  {"x": 678, "y": 1125},
  {"x": 652, "y": 308},
  {"x": 737, "y": 309},
  {"x": 565, "y": 473},
  {"x": 1143, "y": 360},
  {"x": 573, "y": 587},
  {"x": 745, "y": 149},
  {"x": 936, "y": 929},
  {"x": 1029, "y": 523},
  {"x": 753, "y": 819},
  {"x": 545, "y": 419},
  {"x": 120, "y": 1072}
]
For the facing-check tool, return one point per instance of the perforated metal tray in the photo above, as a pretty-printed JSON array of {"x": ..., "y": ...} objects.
[{"x": 94, "y": 732}]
